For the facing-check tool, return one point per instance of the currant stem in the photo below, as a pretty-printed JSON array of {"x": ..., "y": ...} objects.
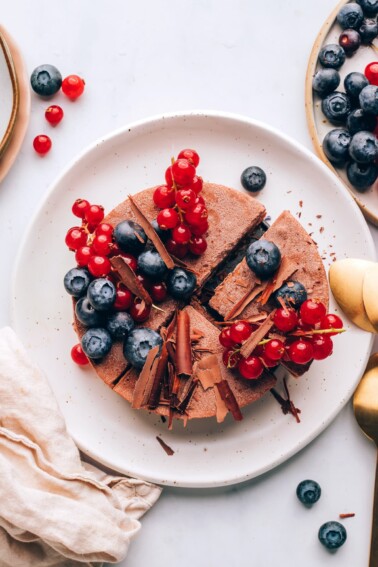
[{"x": 317, "y": 332}]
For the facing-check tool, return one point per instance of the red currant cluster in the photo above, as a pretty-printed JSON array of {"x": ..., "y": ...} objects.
[
  {"x": 72, "y": 87},
  {"x": 299, "y": 337},
  {"x": 184, "y": 210}
]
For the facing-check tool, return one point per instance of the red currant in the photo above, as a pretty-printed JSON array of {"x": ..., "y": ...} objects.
[
  {"x": 123, "y": 298},
  {"x": 301, "y": 352},
  {"x": 139, "y": 311},
  {"x": 371, "y": 73},
  {"x": 200, "y": 229},
  {"x": 331, "y": 321},
  {"x": 185, "y": 199},
  {"x": 197, "y": 245},
  {"x": 158, "y": 292},
  {"x": 167, "y": 218},
  {"x": 251, "y": 367},
  {"x": 94, "y": 215},
  {"x": 197, "y": 215},
  {"x": 76, "y": 237},
  {"x": 197, "y": 184},
  {"x": 80, "y": 207},
  {"x": 78, "y": 355},
  {"x": 312, "y": 311},
  {"x": 275, "y": 349},
  {"x": 83, "y": 255},
  {"x": 101, "y": 245},
  {"x": 164, "y": 197},
  {"x": 130, "y": 260},
  {"x": 190, "y": 155},
  {"x": 268, "y": 362},
  {"x": 105, "y": 228},
  {"x": 73, "y": 86},
  {"x": 181, "y": 234},
  {"x": 144, "y": 281},
  {"x": 322, "y": 345},
  {"x": 302, "y": 326},
  {"x": 285, "y": 320},
  {"x": 99, "y": 266},
  {"x": 240, "y": 331},
  {"x": 225, "y": 338},
  {"x": 176, "y": 249},
  {"x": 54, "y": 114},
  {"x": 183, "y": 172},
  {"x": 230, "y": 358},
  {"x": 200, "y": 199},
  {"x": 42, "y": 144},
  {"x": 169, "y": 177}
]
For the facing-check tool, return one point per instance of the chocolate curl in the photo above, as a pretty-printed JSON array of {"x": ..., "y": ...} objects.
[
  {"x": 129, "y": 279},
  {"x": 244, "y": 301},
  {"x": 184, "y": 366},
  {"x": 251, "y": 343},
  {"x": 153, "y": 400},
  {"x": 284, "y": 272},
  {"x": 144, "y": 383},
  {"x": 152, "y": 234},
  {"x": 229, "y": 399},
  {"x": 209, "y": 373},
  {"x": 166, "y": 447}
]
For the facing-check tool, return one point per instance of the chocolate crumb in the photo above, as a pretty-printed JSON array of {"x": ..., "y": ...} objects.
[{"x": 349, "y": 515}]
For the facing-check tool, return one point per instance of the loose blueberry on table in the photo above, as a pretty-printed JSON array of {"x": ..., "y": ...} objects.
[
  {"x": 332, "y": 535},
  {"x": 308, "y": 492},
  {"x": 105, "y": 306},
  {"x": 354, "y": 145},
  {"x": 301, "y": 330}
]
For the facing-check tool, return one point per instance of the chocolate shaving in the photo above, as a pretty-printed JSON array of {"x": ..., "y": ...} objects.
[
  {"x": 184, "y": 366},
  {"x": 251, "y": 343},
  {"x": 287, "y": 268},
  {"x": 229, "y": 399},
  {"x": 287, "y": 405},
  {"x": 129, "y": 278},
  {"x": 152, "y": 234},
  {"x": 185, "y": 395},
  {"x": 185, "y": 266},
  {"x": 348, "y": 515},
  {"x": 209, "y": 373},
  {"x": 145, "y": 381},
  {"x": 240, "y": 305},
  {"x": 166, "y": 447},
  {"x": 161, "y": 370}
]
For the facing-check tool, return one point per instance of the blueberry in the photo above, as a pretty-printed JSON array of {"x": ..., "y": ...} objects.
[
  {"x": 350, "y": 41},
  {"x": 163, "y": 234},
  {"x": 368, "y": 30},
  {"x": 46, "y": 80},
  {"x": 76, "y": 281},
  {"x": 130, "y": 237},
  {"x": 332, "y": 535},
  {"x": 151, "y": 265},
  {"x": 120, "y": 324},
  {"x": 336, "y": 107},
  {"x": 293, "y": 293},
  {"x": 86, "y": 314},
  {"x": 308, "y": 492},
  {"x": 369, "y": 99},
  {"x": 358, "y": 120},
  {"x": 354, "y": 83},
  {"x": 138, "y": 344},
  {"x": 336, "y": 146},
  {"x": 263, "y": 258},
  {"x": 369, "y": 7},
  {"x": 325, "y": 81},
  {"x": 350, "y": 16},
  {"x": 180, "y": 283},
  {"x": 363, "y": 147},
  {"x": 362, "y": 175},
  {"x": 96, "y": 343},
  {"x": 101, "y": 294},
  {"x": 332, "y": 55},
  {"x": 253, "y": 179}
]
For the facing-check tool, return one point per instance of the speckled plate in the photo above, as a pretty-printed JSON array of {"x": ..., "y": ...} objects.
[
  {"x": 318, "y": 124},
  {"x": 103, "y": 424}
]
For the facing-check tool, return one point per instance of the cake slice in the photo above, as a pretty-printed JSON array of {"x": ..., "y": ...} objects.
[
  {"x": 298, "y": 248},
  {"x": 207, "y": 370}
]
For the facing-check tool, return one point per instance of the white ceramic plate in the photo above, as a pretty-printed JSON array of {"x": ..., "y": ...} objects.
[
  {"x": 318, "y": 123},
  {"x": 103, "y": 424}
]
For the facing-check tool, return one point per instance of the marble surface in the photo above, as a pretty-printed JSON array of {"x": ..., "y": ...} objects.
[{"x": 150, "y": 57}]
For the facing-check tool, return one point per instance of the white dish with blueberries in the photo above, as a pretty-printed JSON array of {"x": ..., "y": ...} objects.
[{"x": 342, "y": 99}]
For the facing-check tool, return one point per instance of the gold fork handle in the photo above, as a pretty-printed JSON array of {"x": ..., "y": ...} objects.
[{"x": 374, "y": 529}]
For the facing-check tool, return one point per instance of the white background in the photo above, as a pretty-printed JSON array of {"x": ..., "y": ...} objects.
[{"x": 143, "y": 58}]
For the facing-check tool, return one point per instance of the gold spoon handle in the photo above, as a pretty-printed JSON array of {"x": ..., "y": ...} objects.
[{"x": 374, "y": 529}]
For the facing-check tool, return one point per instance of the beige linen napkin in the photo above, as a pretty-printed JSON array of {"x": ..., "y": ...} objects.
[{"x": 54, "y": 509}]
